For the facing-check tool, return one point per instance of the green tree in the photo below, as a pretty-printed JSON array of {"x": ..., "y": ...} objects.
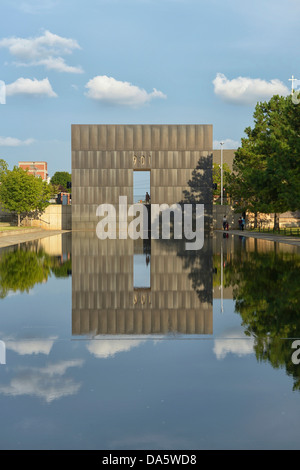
[
  {"x": 245, "y": 180},
  {"x": 62, "y": 178},
  {"x": 3, "y": 168},
  {"x": 23, "y": 193},
  {"x": 266, "y": 168},
  {"x": 217, "y": 177}
]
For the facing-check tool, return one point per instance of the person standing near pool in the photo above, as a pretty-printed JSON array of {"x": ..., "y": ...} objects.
[
  {"x": 224, "y": 222},
  {"x": 243, "y": 223}
]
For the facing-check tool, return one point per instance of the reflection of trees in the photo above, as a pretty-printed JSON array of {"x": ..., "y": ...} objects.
[
  {"x": 278, "y": 352},
  {"x": 21, "y": 269},
  {"x": 61, "y": 269},
  {"x": 266, "y": 288},
  {"x": 217, "y": 272},
  {"x": 199, "y": 262}
]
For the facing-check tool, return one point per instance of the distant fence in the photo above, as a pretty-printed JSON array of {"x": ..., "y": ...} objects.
[{"x": 283, "y": 230}]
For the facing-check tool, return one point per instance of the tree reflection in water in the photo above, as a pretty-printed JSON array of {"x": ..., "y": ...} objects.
[
  {"x": 199, "y": 263},
  {"x": 266, "y": 290},
  {"x": 21, "y": 269}
]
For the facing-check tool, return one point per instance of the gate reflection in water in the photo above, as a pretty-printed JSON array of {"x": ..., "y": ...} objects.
[
  {"x": 108, "y": 297},
  {"x": 141, "y": 264}
]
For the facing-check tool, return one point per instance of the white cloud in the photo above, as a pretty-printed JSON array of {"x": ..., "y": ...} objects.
[
  {"x": 24, "y": 347},
  {"x": 41, "y": 47},
  {"x": 246, "y": 91},
  {"x": 112, "y": 91},
  {"x": 61, "y": 367},
  {"x": 2, "y": 92},
  {"x": 234, "y": 342},
  {"x": 103, "y": 348},
  {"x": 46, "y": 50},
  {"x": 26, "y": 86},
  {"x": 228, "y": 144},
  {"x": 47, "y": 383},
  {"x": 53, "y": 63},
  {"x": 13, "y": 142}
]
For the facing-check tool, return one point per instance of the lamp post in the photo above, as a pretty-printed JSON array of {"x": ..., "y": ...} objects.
[
  {"x": 222, "y": 306},
  {"x": 221, "y": 143}
]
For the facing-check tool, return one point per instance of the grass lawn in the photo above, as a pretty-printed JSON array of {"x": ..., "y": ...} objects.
[
  {"x": 289, "y": 231},
  {"x": 13, "y": 228}
]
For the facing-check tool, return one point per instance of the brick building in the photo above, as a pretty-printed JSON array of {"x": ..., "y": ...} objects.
[{"x": 39, "y": 169}]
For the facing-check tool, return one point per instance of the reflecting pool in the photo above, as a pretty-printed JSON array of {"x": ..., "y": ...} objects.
[{"x": 124, "y": 344}]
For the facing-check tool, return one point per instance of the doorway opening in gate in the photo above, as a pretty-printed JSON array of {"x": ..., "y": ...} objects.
[
  {"x": 141, "y": 185},
  {"x": 142, "y": 248}
]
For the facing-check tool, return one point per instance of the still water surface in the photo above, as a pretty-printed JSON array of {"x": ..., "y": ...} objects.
[{"x": 131, "y": 345}]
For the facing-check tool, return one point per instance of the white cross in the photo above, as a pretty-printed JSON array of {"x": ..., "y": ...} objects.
[{"x": 293, "y": 79}]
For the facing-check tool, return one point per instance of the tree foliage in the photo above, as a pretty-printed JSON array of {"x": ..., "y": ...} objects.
[
  {"x": 266, "y": 168},
  {"x": 62, "y": 178},
  {"x": 23, "y": 193},
  {"x": 3, "y": 168},
  {"x": 217, "y": 177}
]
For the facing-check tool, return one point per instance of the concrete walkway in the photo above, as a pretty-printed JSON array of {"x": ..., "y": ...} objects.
[
  {"x": 290, "y": 240},
  {"x": 9, "y": 239}
]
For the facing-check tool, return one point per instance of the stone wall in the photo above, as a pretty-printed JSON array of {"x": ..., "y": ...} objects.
[{"x": 55, "y": 217}]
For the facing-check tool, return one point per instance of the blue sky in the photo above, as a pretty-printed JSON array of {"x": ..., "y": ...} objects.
[{"x": 138, "y": 61}]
